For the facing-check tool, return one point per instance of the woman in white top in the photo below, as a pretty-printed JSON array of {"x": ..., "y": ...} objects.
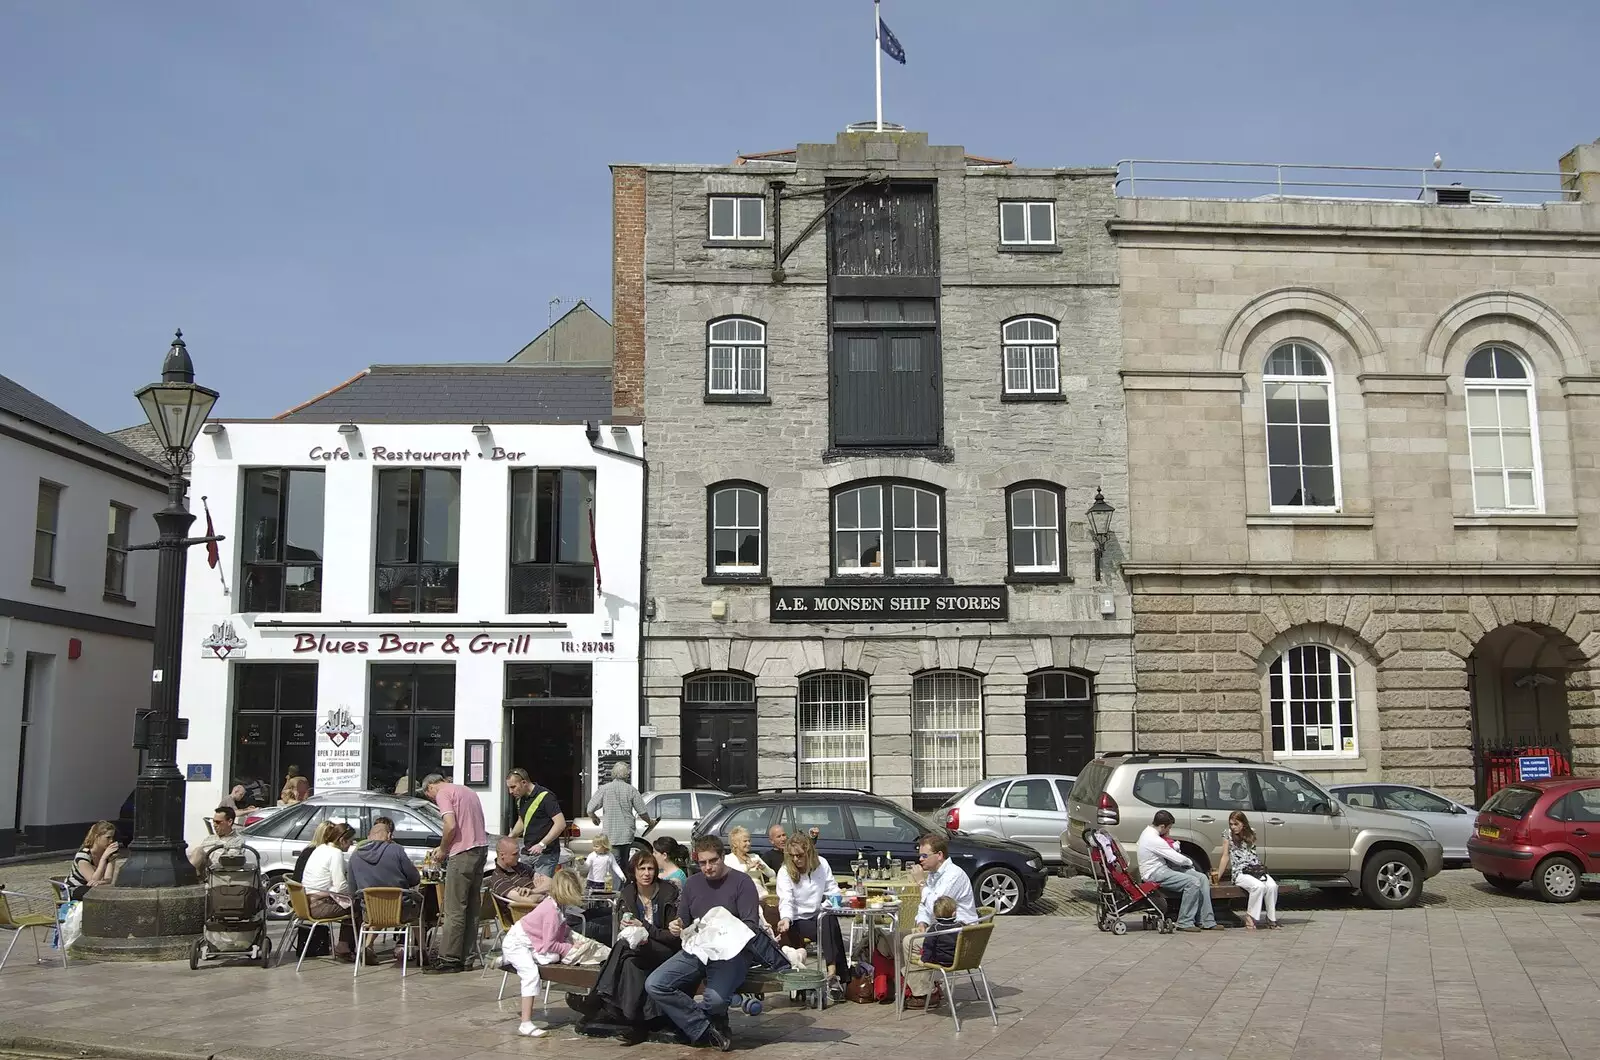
[
  {"x": 804, "y": 884},
  {"x": 740, "y": 859},
  {"x": 326, "y": 883}
]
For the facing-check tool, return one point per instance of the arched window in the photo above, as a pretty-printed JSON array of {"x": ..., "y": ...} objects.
[
  {"x": 1312, "y": 691},
  {"x": 946, "y": 732},
  {"x": 737, "y": 357},
  {"x": 736, "y": 539},
  {"x": 1034, "y": 517},
  {"x": 1302, "y": 437},
  {"x": 1032, "y": 356},
  {"x": 909, "y": 515},
  {"x": 1502, "y": 430},
  {"x": 832, "y": 732}
]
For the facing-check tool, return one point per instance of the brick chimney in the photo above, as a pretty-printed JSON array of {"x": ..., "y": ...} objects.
[
  {"x": 627, "y": 291},
  {"x": 1580, "y": 171}
]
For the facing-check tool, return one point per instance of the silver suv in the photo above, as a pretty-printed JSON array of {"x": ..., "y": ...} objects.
[{"x": 1302, "y": 832}]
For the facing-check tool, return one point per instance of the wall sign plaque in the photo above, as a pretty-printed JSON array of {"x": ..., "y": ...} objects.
[{"x": 890, "y": 603}]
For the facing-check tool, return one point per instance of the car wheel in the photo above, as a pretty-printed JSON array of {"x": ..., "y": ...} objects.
[
  {"x": 1557, "y": 880},
  {"x": 1201, "y": 861},
  {"x": 278, "y": 896},
  {"x": 1392, "y": 880},
  {"x": 1503, "y": 884},
  {"x": 1000, "y": 888}
]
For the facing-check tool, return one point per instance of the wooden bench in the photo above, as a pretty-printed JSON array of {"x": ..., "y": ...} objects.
[{"x": 1228, "y": 899}]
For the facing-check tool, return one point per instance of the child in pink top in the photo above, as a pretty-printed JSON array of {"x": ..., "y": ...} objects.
[{"x": 544, "y": 934}]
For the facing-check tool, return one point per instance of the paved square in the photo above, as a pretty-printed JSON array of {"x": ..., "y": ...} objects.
[{"x": 1499, "y": 984}]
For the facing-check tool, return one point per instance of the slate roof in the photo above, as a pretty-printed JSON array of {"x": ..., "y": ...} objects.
[
  {"x": 464, "y": 393},
  {"x": 23, "y": 403}
]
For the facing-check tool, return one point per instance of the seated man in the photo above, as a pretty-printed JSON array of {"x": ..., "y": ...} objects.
[
  {"x": 381, "y": 862},
  {"x": 225, "y": 838},
  {"x": 941, "y": 878},
  {"x": 513, "y": 880},
  {"x": 1163, "y": 864}
]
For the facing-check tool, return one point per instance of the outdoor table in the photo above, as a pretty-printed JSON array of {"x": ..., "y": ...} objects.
[{"x": 864, "y": 922}]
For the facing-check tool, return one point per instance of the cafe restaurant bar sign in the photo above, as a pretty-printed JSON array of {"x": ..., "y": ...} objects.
[{"x": 890, "y": 603}]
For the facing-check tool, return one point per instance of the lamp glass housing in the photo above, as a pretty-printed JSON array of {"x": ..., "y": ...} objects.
[{"x": 176, "y": 411}]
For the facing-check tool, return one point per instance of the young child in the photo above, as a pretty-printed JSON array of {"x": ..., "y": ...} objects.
[
  {"x": 543, "y": 937},
  {"x": 602, "y": 864},
  {"x": 942, "y": 948}
]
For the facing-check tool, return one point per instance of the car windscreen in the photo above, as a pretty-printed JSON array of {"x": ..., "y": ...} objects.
[
  {"x": 963, "y": 794},
  {"x": 1512, "y": 802},
  {"x": 1091, "y": 783}
]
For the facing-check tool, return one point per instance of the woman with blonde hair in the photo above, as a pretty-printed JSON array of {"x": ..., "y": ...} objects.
[
  {"x": 92, "y": 864},
  {"x": 1239, "y": 855},
  {"x": 741, "y": 859},
  {"x": 326, "y": 883},
  {"x": 544, "y": 933},
  {"x": 804, "y": 884}
]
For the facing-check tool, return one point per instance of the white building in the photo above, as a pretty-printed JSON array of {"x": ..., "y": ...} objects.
[
  {"x": 415, "y": 584},
  {"x": 76, "y": 620}
]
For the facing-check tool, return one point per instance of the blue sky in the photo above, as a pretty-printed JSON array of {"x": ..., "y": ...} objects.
[{"x": 308, "y": 187}]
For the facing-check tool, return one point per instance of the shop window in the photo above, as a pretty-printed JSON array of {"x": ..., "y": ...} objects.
[
  {"x": 946, "y": 732},
  {"x": 549, "y": 681},
  {"x": 411, "y": 724},
  {"x": 280, "y": 537},
  {"x": 1311, "y": 690},
  {"x": 552, "y": 543},
  {"x": 274, "y": 723},
  {"x": 889, "y": 528},
  {"x": 419, "y": 540},
  {"x": 833, "y": 732}
]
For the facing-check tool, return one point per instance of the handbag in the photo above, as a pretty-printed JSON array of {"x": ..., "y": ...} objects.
[{"x": 1258, "y": 871}]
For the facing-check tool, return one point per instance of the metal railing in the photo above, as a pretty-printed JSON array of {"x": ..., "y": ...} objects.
[{"x": 1279, "y": 181}]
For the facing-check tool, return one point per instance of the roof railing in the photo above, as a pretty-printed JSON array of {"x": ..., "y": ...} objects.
[{"x": 1286, "y": 181}]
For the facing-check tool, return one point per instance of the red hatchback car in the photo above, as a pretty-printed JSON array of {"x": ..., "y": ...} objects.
[{"x": 1546, "y": 832}]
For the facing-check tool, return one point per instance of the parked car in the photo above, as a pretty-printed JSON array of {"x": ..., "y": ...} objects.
[
  {"x": 675, "y": 813},
  {"x": 278, "y": 839},
  {"x": 1031, "y": 809},
  {"x": 1450, "y": 821},
  {"x": 1303, "y": 833},
  {"x": 1543, "y": 831},
  {"x": 1006, "y": 875}
]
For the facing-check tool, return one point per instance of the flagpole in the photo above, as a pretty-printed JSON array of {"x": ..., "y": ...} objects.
[
  {"x": 877, "y": 59},
  {"x": 210, "y": 532}
]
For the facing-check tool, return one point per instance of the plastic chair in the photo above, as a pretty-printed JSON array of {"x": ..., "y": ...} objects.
[
  {"x": 17, "y": 923},
  {"x": 966, "y": 965},
  {"x": 382, "y": 913},
  {"x": 300, "y": 910}
]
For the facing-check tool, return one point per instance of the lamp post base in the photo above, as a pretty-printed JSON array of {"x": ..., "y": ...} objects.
[{"x": 140, "y": 923}]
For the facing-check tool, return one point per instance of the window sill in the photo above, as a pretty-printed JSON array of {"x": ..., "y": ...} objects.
[
  {"x": 1510, "y": 521},
  {"x": 888, "y": 579},
  {"x": 1038, "y": 579},
  {"x": 1048, "y": 399},
  {"x": 1357, "y": 519},
  {"x": 1030, "y": 248},
  {"x": 46, "y": 583},
  {"x": 939, "y": 454},
  {"x": 737, "y": 244},
  {"x": 738, "y": 399},
  {"x": 736, "y": 579},
  {"x": 1321, "y": 763},
  {"x": 118, "y": 599}
]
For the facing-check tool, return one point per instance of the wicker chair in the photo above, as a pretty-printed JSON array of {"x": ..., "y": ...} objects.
[
  {"x": 301, "y": 914},
  {"x": 966, "y": 965},
  {"x": 382, "y": 913}
]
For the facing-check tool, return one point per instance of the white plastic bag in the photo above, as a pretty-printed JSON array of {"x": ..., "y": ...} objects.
[
  {"x": 717, "y": 936},
  {"x": 632, "y": 936},
  {"x": 71, "y": 924}
]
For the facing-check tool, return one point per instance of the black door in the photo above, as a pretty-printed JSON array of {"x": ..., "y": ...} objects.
[
  {"x": 551, "y": 741},
  {"x": 719, "y": 749},
  {"x": 886, "y": 387},
  {"x": 1060, "y": 723}
]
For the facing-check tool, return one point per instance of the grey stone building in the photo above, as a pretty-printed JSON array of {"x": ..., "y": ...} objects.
[
  {"x": 879, "y": 381},
  {"x": 1365, "y": 468}
]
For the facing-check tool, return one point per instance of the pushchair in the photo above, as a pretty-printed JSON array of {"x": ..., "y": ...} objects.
[
  {"x": 236, "y": 910},
  {"x": 1120, "y": 893}
]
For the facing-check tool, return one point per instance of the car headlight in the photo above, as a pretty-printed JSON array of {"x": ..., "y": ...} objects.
[{"x": 1035, "y": 863}]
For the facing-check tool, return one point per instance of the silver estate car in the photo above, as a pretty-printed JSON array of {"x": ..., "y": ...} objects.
[
  {"x": 675, "y": 811},
  {"x": 1030, "y": 808},
  {"x": 1453, "y": 823}
]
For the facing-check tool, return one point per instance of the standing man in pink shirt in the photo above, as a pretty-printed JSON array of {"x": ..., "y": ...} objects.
[{"x": 463, "y": 850}]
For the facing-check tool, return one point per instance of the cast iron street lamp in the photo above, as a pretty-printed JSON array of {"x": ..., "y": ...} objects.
[
  {"x": 1099, "y": 515},
  {"x": 177, "y": 408}
]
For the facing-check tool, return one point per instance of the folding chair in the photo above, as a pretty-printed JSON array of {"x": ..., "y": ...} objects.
[
  {"x": 966, "y": 965},
  {"x": 383, "y": 913},
  {"x": 17, "y": 923},
  {"x": 301, "y": 914}
]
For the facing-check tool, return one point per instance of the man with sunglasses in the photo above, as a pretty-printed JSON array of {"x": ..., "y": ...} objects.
[
  {"x": 714, "y": 887},
  {"x": 943, "y": 879}
]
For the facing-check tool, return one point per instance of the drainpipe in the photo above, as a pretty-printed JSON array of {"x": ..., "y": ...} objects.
[{"x": 644, "y": 552}]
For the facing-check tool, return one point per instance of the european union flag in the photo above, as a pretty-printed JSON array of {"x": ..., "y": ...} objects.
[{"x": 890, "y": 46}]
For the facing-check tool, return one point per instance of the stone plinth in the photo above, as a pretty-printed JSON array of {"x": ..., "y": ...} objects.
[{"x": 139, "y": 923}]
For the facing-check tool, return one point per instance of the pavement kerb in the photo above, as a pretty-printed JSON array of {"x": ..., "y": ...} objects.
[{"x": 79, "y": 1045}]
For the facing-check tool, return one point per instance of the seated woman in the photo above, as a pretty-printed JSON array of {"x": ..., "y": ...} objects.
[
  {"x": 1239, "y": 857},
  {"x": 651, "y": 903},
  {"x": 543, "y": 937},
  {"x": 327, "y": 884},
  {"x": 670, "y": 859},
  {"x": 804, "y": 884},
  {"x": 92, "y": 864},
  {"x": 742, "y": 860}
]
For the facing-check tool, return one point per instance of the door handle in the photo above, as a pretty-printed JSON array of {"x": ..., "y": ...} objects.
[
  {"x": 1207, "y": 819},
  {"x": 1579, "y": 832},
  {"x": 1019, "y": 815},
  {"x": 1274, "y": 820}
]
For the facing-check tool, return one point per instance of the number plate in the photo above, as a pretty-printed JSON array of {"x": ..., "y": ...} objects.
[{"x": 1488, "y": 831}]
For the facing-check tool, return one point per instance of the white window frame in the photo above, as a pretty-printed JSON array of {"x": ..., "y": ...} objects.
[
  {"x": 1497, "y": 386},
  {"x": 1324, "y": 381},
  {"x": 737, "y": 528},
  {"x": 1344, "y": 712},
  {"x": 909, "y": 524},
  {"x": 1013, "y": 526},
  {"x": 745, "y": 360},
  {"x": 1030, "y": 238},
  {"x": 889, "y": 521},
  {"x": 946, "y": 731},
  {"x": 738, "y": 236},
  {"x": 47, "y": 538},
  {"x": 113, "y": 550},
  {"x": 834, "y": 751},
  {"x": 1024, "y": 355},
  {"x": 859, "y": 529}
]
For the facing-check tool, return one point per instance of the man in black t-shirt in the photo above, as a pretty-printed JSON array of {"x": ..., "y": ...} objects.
[{"x": 539, "y": 822}]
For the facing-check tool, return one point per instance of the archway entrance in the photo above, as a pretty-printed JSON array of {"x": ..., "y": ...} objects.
[
  {"x": 1518, "y": 676},
  {"x": 1059, "y": 721}
]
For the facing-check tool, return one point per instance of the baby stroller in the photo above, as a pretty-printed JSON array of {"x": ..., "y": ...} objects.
[
  {"x": 1120, "y": 894},
  {"x": 236, "y": 910}
]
